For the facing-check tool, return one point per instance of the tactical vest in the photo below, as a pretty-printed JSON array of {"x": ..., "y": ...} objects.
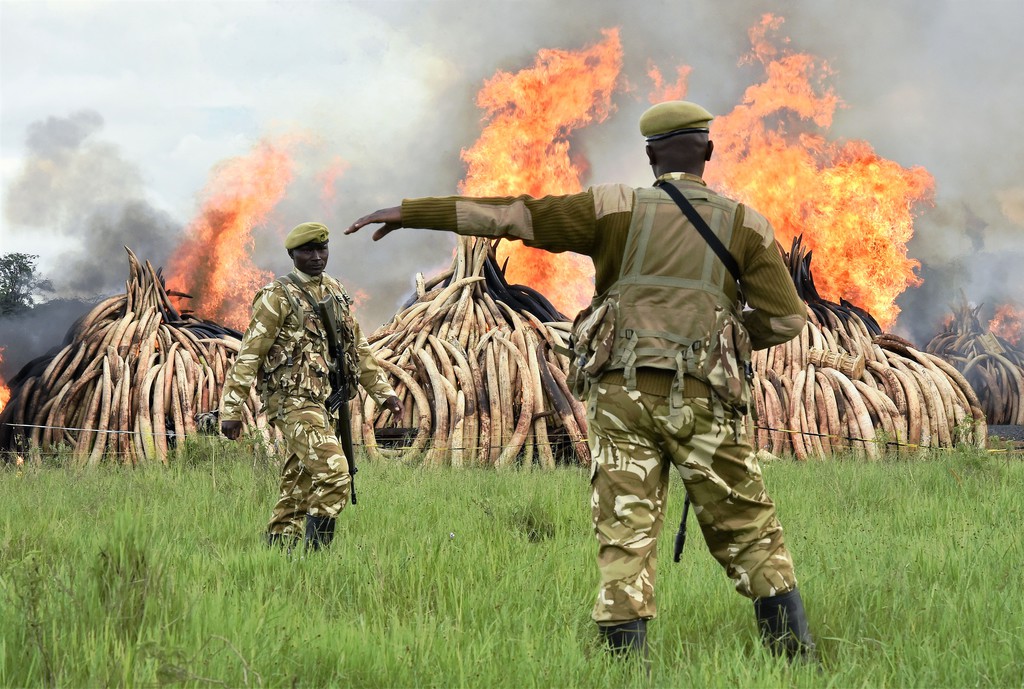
[
  {"x": 669, "y": 298},
  {"x": 298, "y": 364}
]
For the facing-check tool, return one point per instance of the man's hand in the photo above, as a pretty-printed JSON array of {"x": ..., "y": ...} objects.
[
  {"x": 231, "y": 429},
  {"x": 390, "y": 217},
  {"x": 396, "y": 408}
]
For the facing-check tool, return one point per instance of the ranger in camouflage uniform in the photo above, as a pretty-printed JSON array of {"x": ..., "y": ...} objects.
[
  {"x": 284, "y": 351},
  {"x": 666, "y": 369}
]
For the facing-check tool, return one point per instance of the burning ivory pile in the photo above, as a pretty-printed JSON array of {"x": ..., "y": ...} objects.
[
  {"x": 991, "y": 364},
  {"x": 843, "y": 384},
  {"x": 476, "y": 364},
  {"x": 131, "y": 379},
  {"x": 473, "y": 359},
  {"x": 478, "y": 376}
]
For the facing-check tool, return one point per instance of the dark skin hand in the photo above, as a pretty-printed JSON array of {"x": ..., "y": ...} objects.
[
  {"x": 395, "y": 406},
  {"x": 391, "y": 218},
  {"x": 231, "y": 429}
]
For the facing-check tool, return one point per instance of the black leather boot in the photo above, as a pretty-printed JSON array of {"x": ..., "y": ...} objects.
[
  {"x": 783, "y": 627},
  {"x": 628, "y": 639},
  {"x": 319, "y": 532}
]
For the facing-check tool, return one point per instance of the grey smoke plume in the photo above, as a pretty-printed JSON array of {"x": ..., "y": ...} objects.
[
  {"x": 77, "y": 191},
  {"x": 38, "y": 332},
  {"x": 83, "y": 203}
]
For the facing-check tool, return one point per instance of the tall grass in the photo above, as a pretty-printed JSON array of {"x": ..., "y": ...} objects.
[{"x": 910, "y": 570}]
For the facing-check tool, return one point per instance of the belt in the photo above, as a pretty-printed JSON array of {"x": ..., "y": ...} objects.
[{"x": 659, "y": 381}]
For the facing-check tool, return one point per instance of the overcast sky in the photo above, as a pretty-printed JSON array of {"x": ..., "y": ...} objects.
[{"x": 114, "y": 114}]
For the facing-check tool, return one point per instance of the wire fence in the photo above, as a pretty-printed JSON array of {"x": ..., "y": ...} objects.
[{"x": 845, "y": 442}]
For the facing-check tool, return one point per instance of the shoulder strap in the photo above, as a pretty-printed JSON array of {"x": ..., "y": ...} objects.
[
  {"x": 309, "y": 297},
  {"x": 694, "y": 217}
]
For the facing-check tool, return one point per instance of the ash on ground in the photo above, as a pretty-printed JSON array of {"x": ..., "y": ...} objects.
[{"x": 1011, "y": 433}]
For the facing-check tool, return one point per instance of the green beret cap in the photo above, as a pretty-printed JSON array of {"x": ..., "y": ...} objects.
[
  {"x": 306, "y": 232},
  {"x": 673, "y": 117}
]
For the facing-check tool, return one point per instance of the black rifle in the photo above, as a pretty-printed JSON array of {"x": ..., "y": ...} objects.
[
  {"x": 339, "y": 379},
  {"x": 681, "y": 534}
]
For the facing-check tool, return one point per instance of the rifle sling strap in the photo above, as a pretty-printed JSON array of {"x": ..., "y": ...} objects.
[
  {"x": 314, "y": 304},
  {"x": 709, "y": 236},
  {"x": 734, "y": 269}
]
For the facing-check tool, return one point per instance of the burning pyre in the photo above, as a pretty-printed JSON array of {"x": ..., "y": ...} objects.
[
  {"x": 844, "y": 383},
  {"x": 854, "y": 207},
  {"x": 473, "y": 359},
  {"x": 131, "y": 379},
  {"x": 993, "y": 365},
  {"x": 472, "y": 356}
]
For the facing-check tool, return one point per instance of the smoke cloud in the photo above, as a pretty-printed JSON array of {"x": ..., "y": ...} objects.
[{"x": 82, "y": 203}]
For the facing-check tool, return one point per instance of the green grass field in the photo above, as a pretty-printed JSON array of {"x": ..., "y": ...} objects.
[{"x": 910, "y": 570}]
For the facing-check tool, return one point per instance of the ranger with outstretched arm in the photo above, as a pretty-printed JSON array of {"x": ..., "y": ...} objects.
[{"x": 663, "y": 353}]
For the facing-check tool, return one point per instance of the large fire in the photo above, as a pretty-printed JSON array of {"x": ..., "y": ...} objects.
[
  {"x": 524, "y": 149},
  {"x": 5, "y": 392},
  {"x": 214, "y": 264},
  {"x": 663, "y": 91},
  {"x": 853, "y": 207},
  {"x": 1008, "y": 323}
]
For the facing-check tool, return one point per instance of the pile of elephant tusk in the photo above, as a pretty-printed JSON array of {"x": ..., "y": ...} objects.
[
  {"x": 130, "y": 379},
  {"x": 993, "y": 366},
  {"x": 477, "y": 363},
  {"x": 473, "y": 360},
  {"x": 845, "y": 385}
]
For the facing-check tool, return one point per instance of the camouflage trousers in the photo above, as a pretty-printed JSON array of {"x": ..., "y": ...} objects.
[
  {"x": 314, "y": 476},
  {"x": 635, "y": 439}
]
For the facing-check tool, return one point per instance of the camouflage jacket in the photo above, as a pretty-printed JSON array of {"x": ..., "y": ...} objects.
[{"x": 284, "y": 350}]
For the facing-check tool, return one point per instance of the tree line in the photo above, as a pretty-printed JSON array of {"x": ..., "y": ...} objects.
[{"x": 20, "y": 283}]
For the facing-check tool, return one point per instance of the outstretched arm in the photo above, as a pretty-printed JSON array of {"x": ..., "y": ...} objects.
[
  {"x": 552, "y": 223},
  {"x": 391, "y": 218}
]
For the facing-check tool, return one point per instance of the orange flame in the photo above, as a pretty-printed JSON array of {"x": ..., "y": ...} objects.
[
  {"x": 360, "y": 298},
  {"x": 329, "y": 177},
  {"x": 1008, "y": 323},
  {"x": 5, "y": 392},
  {"x": 853, "y": 207},
  {"x": 662, "y": 91},
  {"x": 214, "y": 263},
  {"x": 524, "y": 149}
]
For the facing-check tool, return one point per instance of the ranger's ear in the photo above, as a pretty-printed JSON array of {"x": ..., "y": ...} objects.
[
  {"x": 711, "y": 147},
  {"x": 650, "y": 155}
]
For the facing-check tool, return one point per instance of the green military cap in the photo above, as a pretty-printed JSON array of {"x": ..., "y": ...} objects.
[
  {"x": 674, "y": 117},
  {"x": 305, "y": 233}
]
